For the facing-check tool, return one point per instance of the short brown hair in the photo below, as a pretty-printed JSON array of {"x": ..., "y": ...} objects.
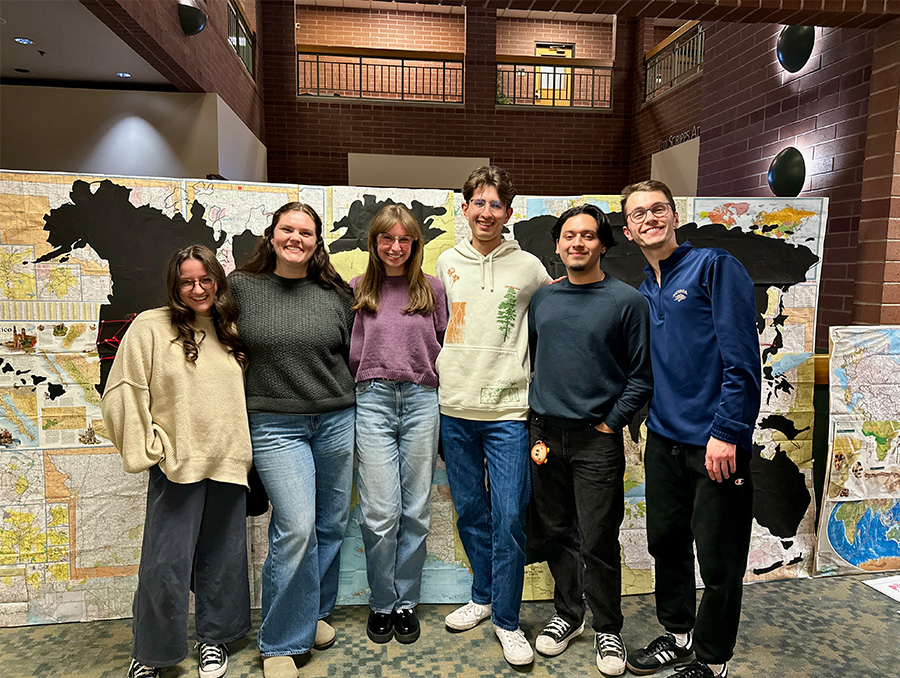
[
  {"x": 649, "y": 185},
  {"x": 491, "y": 175}
]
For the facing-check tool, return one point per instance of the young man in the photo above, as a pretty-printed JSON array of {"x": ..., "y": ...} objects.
[
  {"x": 589, "y": 337},
  {"x": 483, "y": 369},
  {"x": 706, "y": 377}
]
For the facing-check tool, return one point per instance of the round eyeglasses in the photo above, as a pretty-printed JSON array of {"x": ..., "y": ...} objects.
[{"x": 206, "y": 283}]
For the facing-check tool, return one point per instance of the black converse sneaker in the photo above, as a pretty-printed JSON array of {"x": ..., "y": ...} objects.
[
  {"x": 138, "y": 670},
  {"x": 663, "y": 651},
  {"x": 610, "y": 654},
  {"x": 556, "y": 635},
  {"x": 213, "y": 660},
  {"x": 699, "y": 670}
]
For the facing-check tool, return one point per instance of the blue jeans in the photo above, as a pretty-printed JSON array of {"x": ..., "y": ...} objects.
[
  {"x": 491, "y": 526},
  {"x": 397, "y": 424},
  {"x": 306, "y": 465}
]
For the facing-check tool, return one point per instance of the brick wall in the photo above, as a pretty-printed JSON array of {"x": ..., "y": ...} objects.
[
  {"x": 547, "y": 151},
  {"x": 338, "y": 27},
  {"x": 518, "y": 36},
  {"x": 205, "y": 62},
  {"x": 752, "y": 109}
]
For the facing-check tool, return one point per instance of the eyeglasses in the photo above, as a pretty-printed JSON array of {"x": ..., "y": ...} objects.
[
  {"x": 495, "y": 205},
  {"x": 389, "y": 240},
  {"x": 659, "y": 210},
  {"x": 186, "y": 285}
]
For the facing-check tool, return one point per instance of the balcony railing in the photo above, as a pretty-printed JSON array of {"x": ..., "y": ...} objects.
[
  {"x": 394, "y": 75},
  {"x": 554, "y": 81},
  {"x": 675, "y": 60}
]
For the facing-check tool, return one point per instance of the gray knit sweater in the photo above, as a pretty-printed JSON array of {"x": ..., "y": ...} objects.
[{"x": 298, "y": 339}]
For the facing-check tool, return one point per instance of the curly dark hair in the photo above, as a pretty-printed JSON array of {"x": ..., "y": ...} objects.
[
  {"x": 319, "y": 269},
  {"x": 224, "y": 311}
]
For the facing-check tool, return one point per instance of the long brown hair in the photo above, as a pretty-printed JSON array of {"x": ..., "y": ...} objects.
[
  {"x": 224, "y": 311},
  {"x": 368, "y": 289},
  {"x": 319, "y": 269}
]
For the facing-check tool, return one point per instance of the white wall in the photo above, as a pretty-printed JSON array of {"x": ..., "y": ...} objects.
[
  {"x": 159, "y": 134},
  {"x": 677, "y": 167}
]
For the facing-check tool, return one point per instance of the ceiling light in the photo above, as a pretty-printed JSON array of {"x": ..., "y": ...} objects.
[
  {"x": 24, "y": 41},
  {"x": 123, "y": 74}
]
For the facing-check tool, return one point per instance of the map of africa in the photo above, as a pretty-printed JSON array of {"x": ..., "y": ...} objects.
[
  {"x": 80, "y": 255},
  {"x": 860, "y": 526}
]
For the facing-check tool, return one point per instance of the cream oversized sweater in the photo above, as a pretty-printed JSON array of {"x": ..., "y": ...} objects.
[{"x": 160, "y": 409}]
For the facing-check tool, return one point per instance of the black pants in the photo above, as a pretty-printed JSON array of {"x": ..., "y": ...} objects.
[
  {"x": 579, "y": 500},
  {"x": 196, "y": 529},
  {"x": 684, "y": 505}
]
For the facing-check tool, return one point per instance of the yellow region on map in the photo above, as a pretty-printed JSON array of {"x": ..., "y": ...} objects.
[
  {"x": 61, "y": 279},
  {"x": 21, "y": 540},
  {"x": 16, "y": 283},
  {"x": 72, "y": 418},
  {"x": 16, "y": 402},
  {"x": 74, "y": 331},
  {"x": 84, "y": 370},
  {"x": 844, "y": 453}
]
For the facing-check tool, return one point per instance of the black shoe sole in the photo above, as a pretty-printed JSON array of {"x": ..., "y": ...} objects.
[
  {"x": 380, "y": 638},
  {"x": 408, "y": 638},
  {"x": 678, "y": 661},
  {"x": 325, "y": 646}
]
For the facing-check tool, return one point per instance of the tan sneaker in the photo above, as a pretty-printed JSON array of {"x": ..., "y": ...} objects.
[
  {"x": 280, "y": 667},
  {"x": 324, "y": 635}
]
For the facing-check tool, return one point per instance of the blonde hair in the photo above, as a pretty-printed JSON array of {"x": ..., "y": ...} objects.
[{"x": 368, "y": 288}]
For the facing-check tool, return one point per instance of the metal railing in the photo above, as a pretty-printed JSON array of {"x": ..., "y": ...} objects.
[
  {"x": 674, "y": 61},
  {"x": 239, "y": 35},
  {"x": 391, "y": 75},
  {"x": 542, "y": 81}
]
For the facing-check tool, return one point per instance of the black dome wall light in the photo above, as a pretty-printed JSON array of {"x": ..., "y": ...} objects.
[
  {"x": 787, "y": 173},
  {"x": 795, "y": 45},
  {"x": 192, "y": 16}
]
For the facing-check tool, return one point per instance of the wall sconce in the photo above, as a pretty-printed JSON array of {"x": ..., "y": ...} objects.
[
  {"x": 787, "y": 173},
  {"x": 192, "y": 16},
  {"x": 795, "y": 45}
]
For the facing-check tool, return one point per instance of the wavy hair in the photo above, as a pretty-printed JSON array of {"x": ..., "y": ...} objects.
[
  {"x": 319, "y": 269},
  {"x": 369, "y": 286},
  {"x": 490, "y": 175},
  {"x": 224, "y": 311}
]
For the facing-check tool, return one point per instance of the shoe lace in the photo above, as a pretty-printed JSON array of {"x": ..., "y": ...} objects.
[
  {"x": 609, "y": 643},
  {"x": 663, "y": 642},
  {"x": 694, "y": 670},
  {"x": 139, "y": 670},
  {"x": 557, "y": 626},
  {"x": 516, "y": 638},
  {"x": 211, "y": 654}
]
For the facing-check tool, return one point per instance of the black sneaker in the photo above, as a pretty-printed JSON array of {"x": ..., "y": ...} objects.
[
  {"x": 611, "y": 654},
  {"x": 406, "y": 626},
  {"x": 699, "y": 670},
  {"x": 380, "y": 627},
  {"x": 213, "y": 660},
  {"x": 556, "y": 635},
  {"x": 138, "y": 670},
  {"x": 663, "y": 651}
]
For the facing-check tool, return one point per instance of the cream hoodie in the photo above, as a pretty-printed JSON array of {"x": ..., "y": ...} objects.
[{"x": 483, "y": 365}]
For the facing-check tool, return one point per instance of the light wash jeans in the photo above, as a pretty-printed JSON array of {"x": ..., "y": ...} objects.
[
  {"x": 397, "y": 425},
  {"x": 491, "y": 526},
  {"x": 306, "y": 465}
]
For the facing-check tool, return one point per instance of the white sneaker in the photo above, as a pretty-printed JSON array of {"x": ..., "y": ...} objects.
[
  {"x": 611, "y": 654},
  {"x": 468, "y": 616},
  {"x": 516, "y": 648}
]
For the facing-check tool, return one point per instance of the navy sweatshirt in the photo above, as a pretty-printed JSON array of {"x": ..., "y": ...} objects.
[{"x": 704, "y": 348}]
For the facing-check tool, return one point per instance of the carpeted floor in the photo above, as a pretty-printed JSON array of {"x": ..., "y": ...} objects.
[{"x": 808, "y": 628}]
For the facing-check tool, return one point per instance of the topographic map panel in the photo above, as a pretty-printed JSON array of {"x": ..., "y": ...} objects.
[
  {"x": 860, "y": 524},
  {"x": 82, "y": 253}
]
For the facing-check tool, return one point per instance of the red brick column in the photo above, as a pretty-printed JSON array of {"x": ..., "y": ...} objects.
[
  {"x": 877, "y": 298},
  {"x": 481, "y": 59}
]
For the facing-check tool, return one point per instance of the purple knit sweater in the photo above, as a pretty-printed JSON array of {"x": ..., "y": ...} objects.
[{"x": 395, "y": 345}]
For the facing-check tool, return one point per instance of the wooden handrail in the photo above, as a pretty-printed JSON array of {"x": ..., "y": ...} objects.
[
  {"x": 672, "y": 38},
  {"x": 381, "y": 53},
  {"x": 560, "y": 62}
]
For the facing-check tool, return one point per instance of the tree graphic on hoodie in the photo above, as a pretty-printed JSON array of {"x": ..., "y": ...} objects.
[{"x": 506, "y": 312}]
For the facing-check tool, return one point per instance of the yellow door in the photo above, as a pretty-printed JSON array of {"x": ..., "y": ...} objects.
[{"x": 553, "y": 85}]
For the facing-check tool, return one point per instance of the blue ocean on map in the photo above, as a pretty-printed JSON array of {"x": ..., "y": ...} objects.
[
  {"x": 871, "y": 541},
  {"x": 789, "y": 362}
]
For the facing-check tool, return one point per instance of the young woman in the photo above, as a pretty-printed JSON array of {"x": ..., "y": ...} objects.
[
  {"x": 295, "y": 320},
  {"x": 401, "y": 315},
  {"x": 174, "y": 404}
]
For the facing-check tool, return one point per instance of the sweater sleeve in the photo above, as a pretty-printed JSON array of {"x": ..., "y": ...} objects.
[
  {"x": 126, "y": 402},
  {"x": 635, "y": 323},
  {"x": 440, "y": 310},
  {"x": 733, "y": 310}
]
